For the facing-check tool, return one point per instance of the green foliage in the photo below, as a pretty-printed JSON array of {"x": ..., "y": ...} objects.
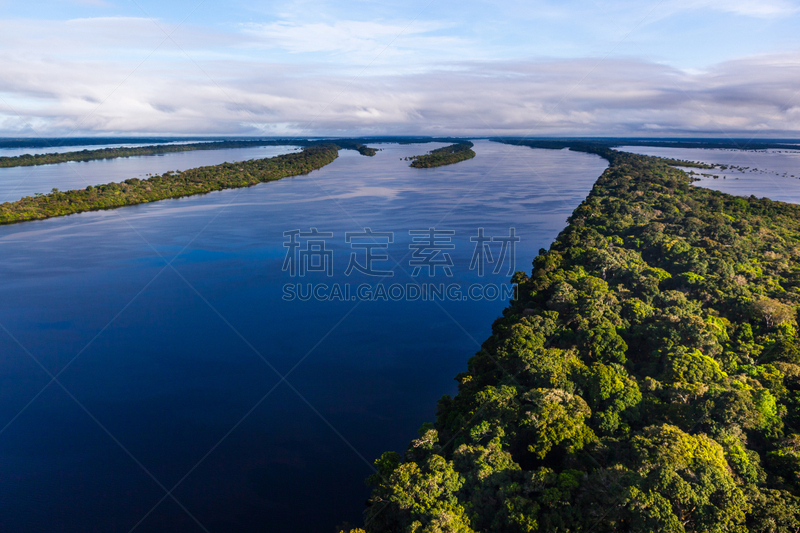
[
  {"x": 647, "y": 378},
  {"x": 417, "y": 497},
  {"x": 169, "y": 185},
  {"x": 26, "y": 160},
  {"x": 692, "y": 367},
  {"x": 554, "y": 417},
  {"x": 447, "y": 155}
]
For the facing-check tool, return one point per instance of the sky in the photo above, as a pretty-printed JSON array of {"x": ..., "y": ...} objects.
[{"x": 692, "y": 68}]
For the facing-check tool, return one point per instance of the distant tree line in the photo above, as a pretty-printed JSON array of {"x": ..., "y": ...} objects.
[
  {"x": 719, "y": 144},
  {"x": 168, "y": 185},
  {"x": 111, "y": 153}
]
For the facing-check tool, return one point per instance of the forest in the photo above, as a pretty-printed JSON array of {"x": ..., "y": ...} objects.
[
  {"x": 170, "y": 185},
  {"x": 457, "y": 152},
  {"x": 446, "y": 155},
  {"x": 112, "y": 153},
  {"x": 357, "y": 144},
  {"x": 647, "y": 378},
  {"x": 610, "y": 142},
  {"x": 27, "y": 160}
]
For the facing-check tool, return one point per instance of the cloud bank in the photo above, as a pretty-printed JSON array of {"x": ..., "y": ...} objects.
[{"x": 192, "y": 89}]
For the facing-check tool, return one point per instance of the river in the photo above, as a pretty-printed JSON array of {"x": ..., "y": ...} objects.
[
  {"x": 18, "y": 182},
  {"x": 182, "y": 365}
]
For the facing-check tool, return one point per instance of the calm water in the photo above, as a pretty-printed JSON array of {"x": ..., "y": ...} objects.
[
  {"x": 61, "y": 148},
  {"x": 168, "y": 371},
  {"x": 773, "y": 174},
  {"x": 18, "y": 182}
]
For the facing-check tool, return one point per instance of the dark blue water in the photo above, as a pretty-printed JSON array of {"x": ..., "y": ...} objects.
[
  {"x": 168, "y": 377},
  {"x": 18, "y": 182}
]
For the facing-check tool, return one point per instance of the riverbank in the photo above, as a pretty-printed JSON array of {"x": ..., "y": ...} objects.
[
  {"x": 645, "y": 378},
  {"x": 168, "y": 185}
]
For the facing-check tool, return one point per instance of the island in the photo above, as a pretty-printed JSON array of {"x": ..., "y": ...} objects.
[
  {"x": 646, "y": 377},
  {"x": 168, "y": 185},
  {"x": 26, "y": 160},
  {"x": 446, "y": 155},
  {"x": 460, "y": 150}
]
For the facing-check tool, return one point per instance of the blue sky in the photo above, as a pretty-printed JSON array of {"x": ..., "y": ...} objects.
[{"x": 670, "y": 67}]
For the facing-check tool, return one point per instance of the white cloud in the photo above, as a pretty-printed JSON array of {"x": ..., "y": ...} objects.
[
  {"x": 87, "y": 75},
  {"x": 750, "y": 8},
  {"x": 354, "y": 42},
  {"x": 340, "y": 36},
  {"x": 579, "y": 97}
]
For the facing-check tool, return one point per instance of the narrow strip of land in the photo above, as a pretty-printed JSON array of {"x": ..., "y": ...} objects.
[
  {"x": 597, "y": 147},
  {"x": 28, "y": 160},
  {"x": 169, "y": 185}
]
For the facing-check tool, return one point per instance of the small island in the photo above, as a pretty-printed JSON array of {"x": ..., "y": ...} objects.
[{"x": 447, "y": 155}]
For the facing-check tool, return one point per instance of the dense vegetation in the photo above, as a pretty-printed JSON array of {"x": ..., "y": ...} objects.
[
  {"x": 128, "y": 151},
  {"x": 111, "y": 153},
  {"x": 459, "y": 151},
  {"x": 345, "y": 144},
  {"x": 169, "y": 185},
  {"x": 50, "y": 142},
  {"x": 599, "y": 148},
  {"x": 647, "y": 378},
  {"x": 446, "y": 155},
  {"x": 720, "y": 144}
]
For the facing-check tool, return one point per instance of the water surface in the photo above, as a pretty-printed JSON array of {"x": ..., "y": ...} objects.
[
  {"x": 18, "y": 182},
  {"x": 171, "y": 377}
]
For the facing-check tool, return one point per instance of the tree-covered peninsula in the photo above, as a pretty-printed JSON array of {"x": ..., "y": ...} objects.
[
  {"x": 112, "y": 153},
  {"x": 647, "y": 378},
  {"x": 27, "y": 160},
  {"x": 446, "y": 155},
  {"x": 169, "y": 185}
]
